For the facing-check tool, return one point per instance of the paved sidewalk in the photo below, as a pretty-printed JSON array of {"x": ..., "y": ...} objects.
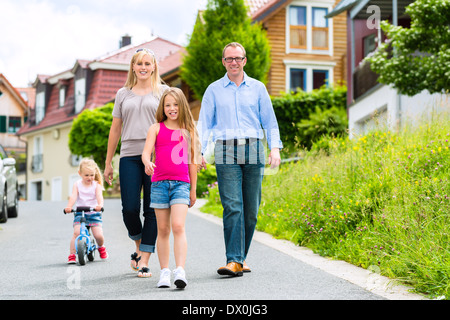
[{"x": 368, "y": 280}]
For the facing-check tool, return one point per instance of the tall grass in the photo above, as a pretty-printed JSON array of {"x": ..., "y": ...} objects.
[{"x": 378, "y": 200}]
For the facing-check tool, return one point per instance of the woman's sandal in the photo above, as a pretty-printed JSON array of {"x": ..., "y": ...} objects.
[
  {"x": 144, "y": 272},
  {"x": 135, "y": 258}
]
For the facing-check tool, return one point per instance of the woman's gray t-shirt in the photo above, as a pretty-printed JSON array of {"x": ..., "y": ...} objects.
[{"x": 137, "y": 114}]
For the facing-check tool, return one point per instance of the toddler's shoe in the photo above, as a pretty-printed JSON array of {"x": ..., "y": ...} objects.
[
  {"x": 180, "y": 278},
  {"x": 72, "y": 259},
  {"x": 164, "y": 278},
  {"x": 103, "y": 253}
]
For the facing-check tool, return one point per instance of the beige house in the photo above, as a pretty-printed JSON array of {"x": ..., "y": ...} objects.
[{"x": 51, "y": 168}]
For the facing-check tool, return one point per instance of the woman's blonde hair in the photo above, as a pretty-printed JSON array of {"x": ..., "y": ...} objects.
[
  {"x": 137, "y": 58},
  {"x": 185, "y": 121},
  {"x": 90, "y": 164}
]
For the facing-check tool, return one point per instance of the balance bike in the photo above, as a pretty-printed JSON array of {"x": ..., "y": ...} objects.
[{"x": 85, "y": 244}]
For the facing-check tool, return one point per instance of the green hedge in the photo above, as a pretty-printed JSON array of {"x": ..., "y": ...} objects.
[{"x": 295, "y": 110}]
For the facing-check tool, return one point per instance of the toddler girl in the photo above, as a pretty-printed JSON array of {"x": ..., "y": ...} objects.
[{"x": 87, "y": 192}]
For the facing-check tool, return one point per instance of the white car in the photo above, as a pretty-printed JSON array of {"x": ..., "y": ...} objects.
[{"x": 9, "y": 194}]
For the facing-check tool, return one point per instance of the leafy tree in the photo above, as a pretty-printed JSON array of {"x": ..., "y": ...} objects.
[
  {"x": 421, "y": 58},
  {"x": 222, "y": 22},
  {"x": 89, "y": 133}
]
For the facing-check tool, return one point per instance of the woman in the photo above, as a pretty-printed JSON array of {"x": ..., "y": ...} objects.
[{"x": 133, "y": 114}]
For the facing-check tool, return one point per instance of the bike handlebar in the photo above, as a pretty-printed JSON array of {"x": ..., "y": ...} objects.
[{"x": 82, "y": 209}]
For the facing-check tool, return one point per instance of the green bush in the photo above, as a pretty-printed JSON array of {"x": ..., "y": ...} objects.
[
  {"x": 331, "y": 122},
  {"x": 293, "y": 108},
  {"x": 89, "y": 133}
]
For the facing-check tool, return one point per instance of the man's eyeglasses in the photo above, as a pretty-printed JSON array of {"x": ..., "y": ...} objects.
[
  {"x": 237, "y": 59},
  {"x": 146, "y": 50}
]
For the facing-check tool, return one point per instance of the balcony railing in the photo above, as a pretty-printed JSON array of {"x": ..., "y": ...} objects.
[
  {"x": 364, "y": 79},
  {"x": 37, "y": 163}
]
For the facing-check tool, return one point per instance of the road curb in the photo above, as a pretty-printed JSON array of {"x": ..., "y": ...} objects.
[{"x": 366, "y": 279}]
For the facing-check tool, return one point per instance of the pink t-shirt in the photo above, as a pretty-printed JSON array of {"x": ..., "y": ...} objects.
[
  {"x": 86, "y": 195},
  {"x": 171, "y": 155}
]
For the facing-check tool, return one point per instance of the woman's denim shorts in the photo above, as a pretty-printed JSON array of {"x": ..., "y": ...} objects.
[
  {"x": 92, "y": 219},
  {"x": 166, "y": 193}
]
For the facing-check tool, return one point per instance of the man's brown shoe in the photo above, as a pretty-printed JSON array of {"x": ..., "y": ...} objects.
[
  {"x": 231, "y": 269},
  {"x": 246, "y": 268}
]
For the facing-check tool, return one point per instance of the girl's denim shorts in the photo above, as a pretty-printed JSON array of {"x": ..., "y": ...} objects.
[
  {"x": 166, "y": 193},
  {"x": 92, "y": 219}
]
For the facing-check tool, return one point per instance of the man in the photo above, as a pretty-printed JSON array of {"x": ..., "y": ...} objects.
[{"x": 238, "y": 112}]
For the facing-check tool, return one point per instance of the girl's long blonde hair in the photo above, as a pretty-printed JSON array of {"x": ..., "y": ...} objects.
[
  {"x": 90, "y": 164},
  {"x": 185, "y": 121},
  {"x": 156, "y": 79}
]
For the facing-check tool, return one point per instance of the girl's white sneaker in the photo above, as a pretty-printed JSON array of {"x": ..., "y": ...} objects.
[
  {"x": 180, "y": 278},
  {"x": 164, "y": 279}
]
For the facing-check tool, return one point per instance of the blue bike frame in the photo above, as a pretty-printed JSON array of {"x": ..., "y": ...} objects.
[{"x": 84, "y": 233}]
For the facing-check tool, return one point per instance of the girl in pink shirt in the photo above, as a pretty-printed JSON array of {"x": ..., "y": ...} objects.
[
  {"x": 87, "y": 192},
  {"x": 174, "y": 178}
]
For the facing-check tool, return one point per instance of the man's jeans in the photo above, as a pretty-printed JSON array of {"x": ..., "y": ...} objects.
[
  {"x": 240, "y": 170},
  {"x": 132, "y": 180}
]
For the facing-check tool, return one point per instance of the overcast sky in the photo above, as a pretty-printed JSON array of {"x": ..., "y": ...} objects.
[{"x": 47, "y": 36}]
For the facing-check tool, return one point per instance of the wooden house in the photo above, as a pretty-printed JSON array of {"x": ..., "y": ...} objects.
[{"x": 307, "y": 50}]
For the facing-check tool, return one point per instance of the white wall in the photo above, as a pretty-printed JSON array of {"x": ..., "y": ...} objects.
[{"x": 384, "y": 107}]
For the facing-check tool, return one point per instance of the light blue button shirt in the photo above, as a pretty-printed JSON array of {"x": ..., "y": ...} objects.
[{"x": 231, "y": 112}]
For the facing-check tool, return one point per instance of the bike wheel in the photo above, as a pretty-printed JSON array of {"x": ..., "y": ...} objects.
[
  {"x": 91, "y": 254},
  {"x": 82, "y": 251}
]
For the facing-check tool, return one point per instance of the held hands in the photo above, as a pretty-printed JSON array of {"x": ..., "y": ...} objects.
[
  {"x": 150, "y": 168},
  {"x": 203, "y": 165}
]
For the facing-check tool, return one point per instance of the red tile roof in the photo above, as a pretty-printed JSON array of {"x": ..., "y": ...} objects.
[
  {"x": 109, "y": 73},
  {"x": 263, "y": 9}
]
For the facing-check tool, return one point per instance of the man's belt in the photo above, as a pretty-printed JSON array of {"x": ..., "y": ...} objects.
[{"x": 237, "y": 142}]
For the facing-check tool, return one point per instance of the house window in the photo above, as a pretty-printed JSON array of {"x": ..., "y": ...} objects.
[
  {"x": 320, "y": 78},
  {"x": 75, "y": 160},
  {"x": 2, "y": 124},
  {"x": 298, "y": 79},
  {"x": 297, "y": 18},
  {"x": 14, "y": 124},
  {"x": 319, "y": 29},
  {"x": 62, "y": 96},
  {"x": 308, "y": 75},
  {"x": 1, "y": 93},
  {"x": 308, "y": 28},
  {"x": 80, "y": 94},
  {"x": 40, "y": 106}
]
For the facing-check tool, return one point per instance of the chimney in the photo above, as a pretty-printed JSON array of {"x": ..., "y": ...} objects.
[{"x": 126, "y": 40}]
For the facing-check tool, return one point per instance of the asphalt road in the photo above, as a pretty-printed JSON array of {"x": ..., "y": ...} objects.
[{"x": 34, "y": 249}]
